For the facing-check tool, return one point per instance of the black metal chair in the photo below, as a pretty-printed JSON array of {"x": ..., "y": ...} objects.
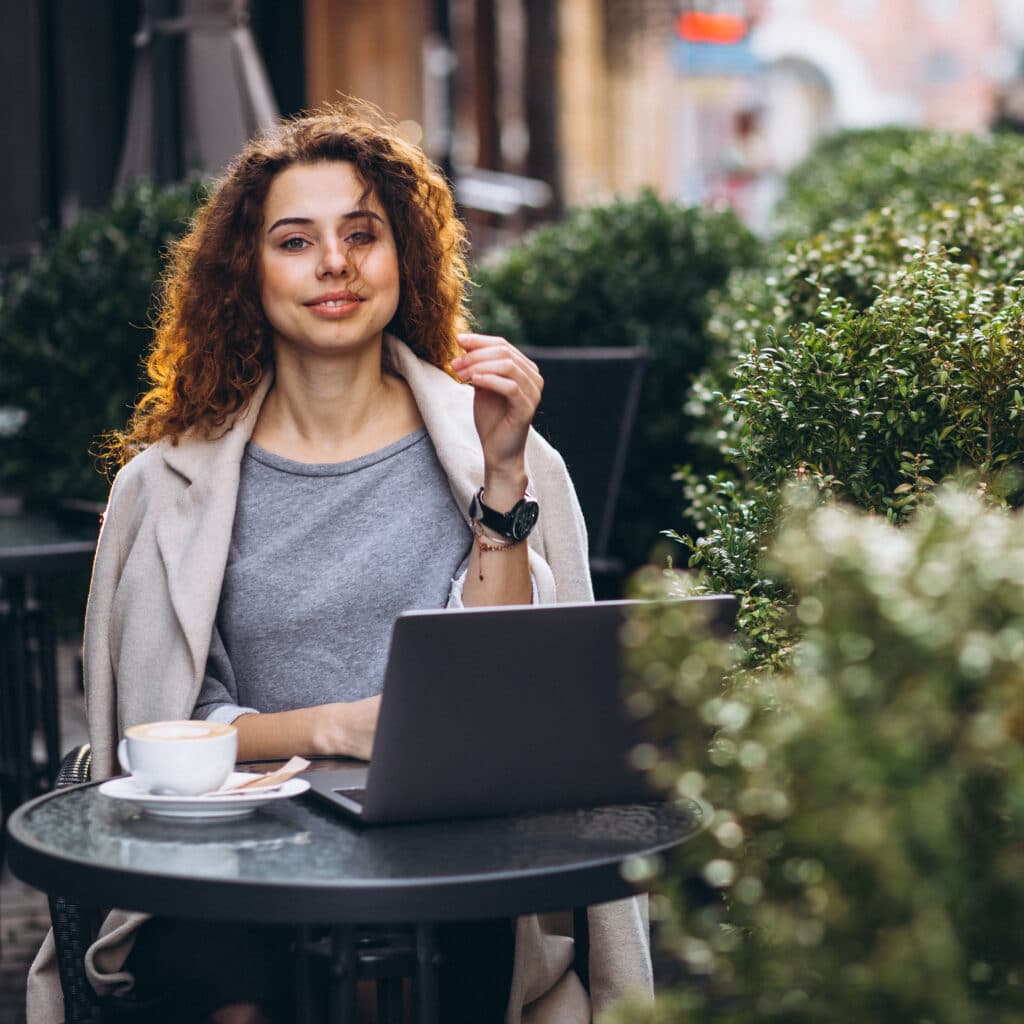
[
  {"x": 28, "y": 692},
  {"x": 33, "y": 563},
  {"x": 587, "y": 412},
  {"x": 74, "y": 928}
]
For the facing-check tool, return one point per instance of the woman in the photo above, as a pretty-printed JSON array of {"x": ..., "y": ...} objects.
[{"x": 307, "y": 464}]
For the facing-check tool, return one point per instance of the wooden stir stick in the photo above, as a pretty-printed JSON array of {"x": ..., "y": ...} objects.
[{"x": 274, "y": 778}]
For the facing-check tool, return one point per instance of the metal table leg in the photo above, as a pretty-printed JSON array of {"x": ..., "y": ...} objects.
[
  {"x": 304, "y": 950},
  {"x": 390, "y": 1001},
  {"x": 343, "y": 1008},
  {"x": 387, "y": 956},
  {"x": 581, "y": 945},
  {"x": 384, "y": 956},
  {"x": 425, "y": 989}
]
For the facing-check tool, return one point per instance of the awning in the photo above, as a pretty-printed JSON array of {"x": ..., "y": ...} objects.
[{"x": 199, "y": 90}]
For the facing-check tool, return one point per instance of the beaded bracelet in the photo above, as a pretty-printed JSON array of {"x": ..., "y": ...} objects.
[{"x": 488, "y": 543}]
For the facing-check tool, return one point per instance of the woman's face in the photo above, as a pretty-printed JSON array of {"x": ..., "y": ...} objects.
[{"x": 330, "y": 265}]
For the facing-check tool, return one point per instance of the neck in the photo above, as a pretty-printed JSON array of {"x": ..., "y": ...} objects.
[{"x": 332, "y": 410}]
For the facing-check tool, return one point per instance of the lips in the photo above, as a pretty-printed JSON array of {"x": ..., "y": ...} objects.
[
  {"x": 333, "y": 300},
  {"x": 334, "y": 304}
]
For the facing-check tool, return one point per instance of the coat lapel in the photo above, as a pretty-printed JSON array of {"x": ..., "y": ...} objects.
[
  {"x": 447, "y": 410},
  {"x": 193, "y": 533}
]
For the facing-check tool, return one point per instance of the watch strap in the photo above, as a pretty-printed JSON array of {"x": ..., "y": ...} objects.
[{"x": 515, "y": 524}]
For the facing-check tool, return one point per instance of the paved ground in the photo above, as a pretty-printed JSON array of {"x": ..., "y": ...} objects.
[{"x": 24, "y": 914}]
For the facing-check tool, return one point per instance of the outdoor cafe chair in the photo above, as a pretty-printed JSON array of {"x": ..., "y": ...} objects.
[
  {"x": 74, "y": 928},
  {"x": 587, "y": 411}
]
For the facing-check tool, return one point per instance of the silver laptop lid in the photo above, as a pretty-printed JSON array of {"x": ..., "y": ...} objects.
[{"x": 500, "y": 710}]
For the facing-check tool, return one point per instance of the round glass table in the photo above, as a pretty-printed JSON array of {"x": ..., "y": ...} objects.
[{"x": 298, "y": 862}]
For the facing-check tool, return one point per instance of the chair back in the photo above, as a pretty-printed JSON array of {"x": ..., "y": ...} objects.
[{"x": 587, "y": 412}]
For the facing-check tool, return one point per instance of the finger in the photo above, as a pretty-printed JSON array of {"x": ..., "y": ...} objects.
[
  {"x": 494, "y": 362},
  {"x": 521, "y": 402},
  {"x": 475, "y": 343},
  {"x": 493, "y": 346},
  {"x": 530, "y": 383},
  {"x": 497, "y": 383},
  {"x": 498, "y": 360},
  {"x": 470, "y": 340}
]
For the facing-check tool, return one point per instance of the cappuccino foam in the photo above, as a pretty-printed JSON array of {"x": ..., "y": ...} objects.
[{"x": 192, "y": 730}]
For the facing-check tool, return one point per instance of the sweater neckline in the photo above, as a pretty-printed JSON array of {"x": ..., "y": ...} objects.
[{"x": 294, "y": 468}]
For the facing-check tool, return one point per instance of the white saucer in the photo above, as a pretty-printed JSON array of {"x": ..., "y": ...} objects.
[{"x": 207, "y": 807}]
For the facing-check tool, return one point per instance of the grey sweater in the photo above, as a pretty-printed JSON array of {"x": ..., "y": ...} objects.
[{"x": 322, "y": 560}]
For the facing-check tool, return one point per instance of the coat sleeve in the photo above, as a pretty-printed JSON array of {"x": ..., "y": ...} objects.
[
  {"x": 100, "y": 681},
  {"x": 44, "y": 999},
  {"x": 562, "y": 541}
]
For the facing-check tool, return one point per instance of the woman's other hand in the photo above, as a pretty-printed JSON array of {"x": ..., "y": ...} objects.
[
  {"x": 348, "y": 728},
  {"x": 332, "y": 730},
  {"x": 508, "y": 388}
]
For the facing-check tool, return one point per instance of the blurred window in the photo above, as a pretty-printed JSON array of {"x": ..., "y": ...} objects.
[{"x": 942, "y": 67}]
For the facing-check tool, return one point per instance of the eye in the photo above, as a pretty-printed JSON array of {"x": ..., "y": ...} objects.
[
  {"x": 361, "y": 238},
  {"x": 295, "y": 244}
]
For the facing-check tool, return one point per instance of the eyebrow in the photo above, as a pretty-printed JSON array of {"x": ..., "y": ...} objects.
[{"x": 351, "y": 215}]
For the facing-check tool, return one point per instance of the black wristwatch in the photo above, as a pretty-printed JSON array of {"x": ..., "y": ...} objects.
[{"x": 515, "y": 524}]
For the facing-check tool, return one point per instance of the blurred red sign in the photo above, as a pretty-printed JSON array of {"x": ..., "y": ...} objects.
[{"x": 704, "y": 27}]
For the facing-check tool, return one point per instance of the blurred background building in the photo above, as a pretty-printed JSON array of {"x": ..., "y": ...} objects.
[
  {"x": 529, "y": 104},
  {"x": 807, "y": 67}
]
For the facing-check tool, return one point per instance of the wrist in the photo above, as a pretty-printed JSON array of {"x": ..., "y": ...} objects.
[
  {"x": 513, "y": 523},
  {"x": 321, "y": 732},
  {"x": 502, "y": 489}
]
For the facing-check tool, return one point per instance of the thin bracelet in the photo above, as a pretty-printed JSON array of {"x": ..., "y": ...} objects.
[{"x": 487, "y": 543}]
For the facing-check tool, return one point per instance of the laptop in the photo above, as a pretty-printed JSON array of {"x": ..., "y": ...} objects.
[{"x": 495, "y": 711}]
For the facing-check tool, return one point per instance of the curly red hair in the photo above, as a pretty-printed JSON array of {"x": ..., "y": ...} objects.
[{"x": 213, "y": 342}]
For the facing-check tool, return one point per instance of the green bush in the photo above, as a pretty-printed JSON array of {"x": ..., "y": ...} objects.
[
  {"x": 862, "y": 748},
  {"x": 861, "y": 207},
  {"x": 634, "y": 272},
  {"x": 867, "y": 835},
  {"x": 984, "y": 234},
  {"x": 854, "y": 172},
  {"x": 876, "y": 357},
  {"x": 877, "y": 405},
  {"x": 75, "y": 328},
  {"x": 734, "y": 524}
]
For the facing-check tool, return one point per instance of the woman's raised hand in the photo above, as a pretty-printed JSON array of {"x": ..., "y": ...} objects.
[{"x": 508, "y": 388}]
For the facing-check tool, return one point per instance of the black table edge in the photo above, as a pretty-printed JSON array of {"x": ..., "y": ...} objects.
[{"x": 540, "y": 891}]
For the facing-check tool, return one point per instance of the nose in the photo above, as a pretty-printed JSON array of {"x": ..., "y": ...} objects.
[{"x": 333, "y": 259}]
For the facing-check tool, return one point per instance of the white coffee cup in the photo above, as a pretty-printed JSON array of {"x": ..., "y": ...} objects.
[{"x": 182, "y": 758}]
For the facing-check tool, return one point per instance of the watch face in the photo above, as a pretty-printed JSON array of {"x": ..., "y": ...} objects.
[{"x": 525, "y": 517}]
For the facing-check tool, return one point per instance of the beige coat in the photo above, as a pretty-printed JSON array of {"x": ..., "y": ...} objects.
[{"x": 152, "y": 603}]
